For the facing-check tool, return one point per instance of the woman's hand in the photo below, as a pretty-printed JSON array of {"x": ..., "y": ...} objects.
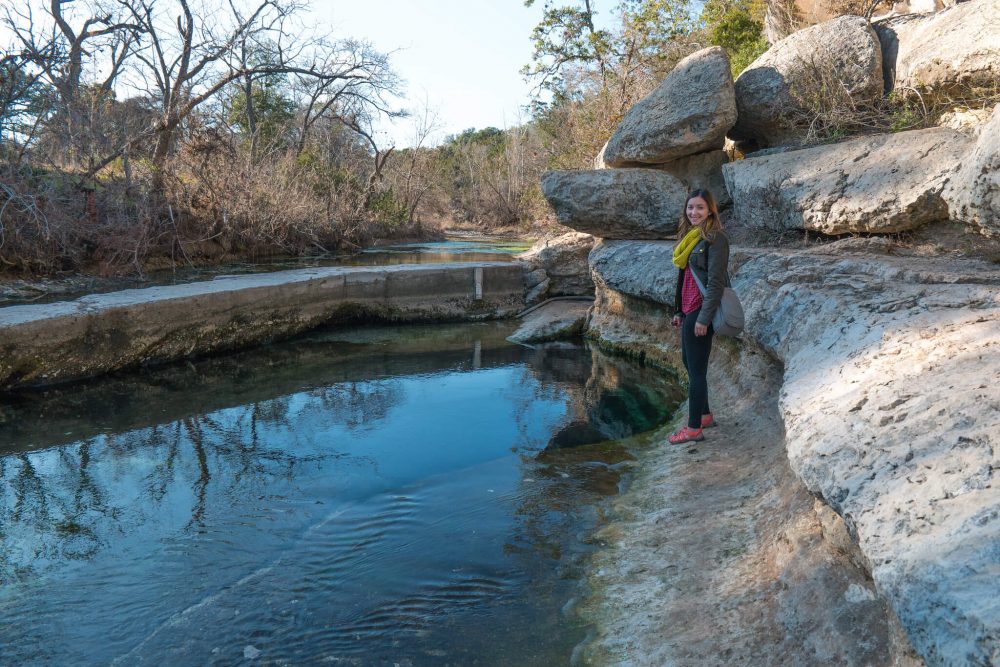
[
  {"x": 700, "y": 329},
  {"x": 676, "y": 322}
]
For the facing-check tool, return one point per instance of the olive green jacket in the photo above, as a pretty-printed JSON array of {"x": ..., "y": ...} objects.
[{"x": 710, "y": 262}]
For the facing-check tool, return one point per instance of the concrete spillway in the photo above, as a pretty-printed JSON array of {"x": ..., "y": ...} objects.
[{"x": 47, "y": 343}]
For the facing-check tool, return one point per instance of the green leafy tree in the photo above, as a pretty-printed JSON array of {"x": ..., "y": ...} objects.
[
  {"x": 738, "y": 27},
  {"x": 265, "y": 113}
]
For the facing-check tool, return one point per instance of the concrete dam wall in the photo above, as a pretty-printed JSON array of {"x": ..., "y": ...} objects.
[{"x": 47, "y": 343}]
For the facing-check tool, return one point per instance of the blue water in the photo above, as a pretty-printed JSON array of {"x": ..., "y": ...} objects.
[{"x": 376, "y": 497}]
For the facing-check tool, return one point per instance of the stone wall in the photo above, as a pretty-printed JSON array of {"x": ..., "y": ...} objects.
[{"x": 46, "y": 343}]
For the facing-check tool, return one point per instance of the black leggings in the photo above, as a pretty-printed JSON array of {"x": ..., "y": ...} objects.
[{"x": 695, "y": 351}]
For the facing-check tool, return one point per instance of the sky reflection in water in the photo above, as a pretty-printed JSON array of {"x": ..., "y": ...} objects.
[{"x": 375, "y": 496}]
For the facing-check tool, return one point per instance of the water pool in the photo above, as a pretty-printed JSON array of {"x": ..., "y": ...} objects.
[{"x": 414, "y": 495}]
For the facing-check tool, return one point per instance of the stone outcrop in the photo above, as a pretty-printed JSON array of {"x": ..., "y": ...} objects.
[
  {"x": 689, "y": 112},
  {"x": 47, "y": 343},
  {"x": 974, "y": 193},
  {"x": 555, "y": 320},
  {"x": 877, "y": 184},
  {"x": 616, "y": 203},
  {"x": 703, "y": 170},
  {"x": 889, "y": 407},
  {"x": 842, "y": 53},
  {"x": 949, "y": 52},
  {"x": 561, "y": 263}
]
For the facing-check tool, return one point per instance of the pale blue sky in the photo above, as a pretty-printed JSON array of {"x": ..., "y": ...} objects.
[{"x": 463, "y": 56}]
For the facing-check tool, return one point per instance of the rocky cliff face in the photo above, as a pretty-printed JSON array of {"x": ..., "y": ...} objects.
[
  {"x": 889, "y": 404},
  {"x": 882, "y": 384}
]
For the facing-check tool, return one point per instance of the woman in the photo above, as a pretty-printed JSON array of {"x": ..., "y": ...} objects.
[{"x": 701, "y": 254}]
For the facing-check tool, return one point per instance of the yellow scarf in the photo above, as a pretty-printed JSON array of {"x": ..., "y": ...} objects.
[{"x": 684, "y": 247}]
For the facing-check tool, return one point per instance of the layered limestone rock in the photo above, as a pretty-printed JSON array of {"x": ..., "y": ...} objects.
[
  {"x": 974, "y": 193},
  {"x": 949, "y": 52},
  {"x": 840, "y": 54},
  {"x": 689, "y": 112},
  {"x": 556, "y": 320},
  {"x": 701, "y": 171},
  {"x": 890, "y": 411},
  {"x": 876, "y": 184},
  {"x": 616, "y": 203},
  {"x": 562, "y": 262}
]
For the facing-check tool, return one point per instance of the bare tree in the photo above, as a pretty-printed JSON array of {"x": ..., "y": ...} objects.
[
  {"x": 417, "y": 177},
  {"x": 363, "y": 124},
  {"x": 193, "y": 57},
  {"x": 57, "y": 51}
]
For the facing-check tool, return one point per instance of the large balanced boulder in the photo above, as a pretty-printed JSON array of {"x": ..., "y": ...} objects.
[
  {"x": 776, "y": 93},
  {"x": 956, "y": 51},
  {"x": 974, "y": 194},
  {"x": 616, "y": 203},
  {"x": 699, "y": 171},
  {"x": 877, "y": 184},
  {"x": 689, "y": 112}
]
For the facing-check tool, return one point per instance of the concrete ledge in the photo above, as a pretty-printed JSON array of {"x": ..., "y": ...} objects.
[{"x": 47, "y": 343}]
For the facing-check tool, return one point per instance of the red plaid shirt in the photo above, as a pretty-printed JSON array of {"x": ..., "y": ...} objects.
[{"x": 690, "y": 294}]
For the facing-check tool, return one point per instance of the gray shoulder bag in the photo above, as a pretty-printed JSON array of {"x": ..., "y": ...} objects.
[{"x": 728, "y": 319}]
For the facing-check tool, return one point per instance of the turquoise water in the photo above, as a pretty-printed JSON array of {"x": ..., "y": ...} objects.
[{"x": 375, "y": 497}]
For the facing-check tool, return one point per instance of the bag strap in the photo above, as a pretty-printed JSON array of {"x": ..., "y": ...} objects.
[
  {"x": 697, "y": 281},
  {"x": 708, "y": 247}
]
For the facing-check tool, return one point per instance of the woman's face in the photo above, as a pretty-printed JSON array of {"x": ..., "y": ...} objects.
[{"x": 697, "y": 211}]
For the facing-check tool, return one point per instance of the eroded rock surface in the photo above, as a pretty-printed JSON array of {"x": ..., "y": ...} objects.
[
  {"x": 843, "y": 53},
  {"x": 562, "y": 260},
  {"x": 877, "y": 184},
  {"x": 719, "y": 555},
  {"x": 616, "y": 203},
  {"x": 952, "y": 51},
  {"x": 689, "y": 112},
  {"x": 891, "y": 410},
  {"x": 556, "y": 320},
  {"x": 974, "y": 193}
]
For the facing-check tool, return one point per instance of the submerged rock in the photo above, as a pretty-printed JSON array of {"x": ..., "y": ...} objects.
[{"x": 556, "y": 320}]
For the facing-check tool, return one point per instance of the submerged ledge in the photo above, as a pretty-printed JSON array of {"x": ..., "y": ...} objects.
[
  {"x": 48, "y": 343},
  {"x": 882, "y": 393}
]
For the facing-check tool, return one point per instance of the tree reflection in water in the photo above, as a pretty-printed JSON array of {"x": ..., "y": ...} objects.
[{"x": 239, "y": 465}]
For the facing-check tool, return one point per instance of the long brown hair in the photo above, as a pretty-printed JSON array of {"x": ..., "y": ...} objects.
[{"x": 712, "y": 224}]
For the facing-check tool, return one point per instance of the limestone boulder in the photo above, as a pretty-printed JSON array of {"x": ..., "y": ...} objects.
[
  {"x": 689, "y": 112},
  {"x": 842, "y": 54},
  {"x": 616, "y": 203},
  {"x": 877, "y": 184},
  {"x": 562, "y": 260},
  {"x": 642, "y": 269},
  {"x": 556, "y": 320},
  {"x": 974, "y": 194},
  {"x": 699, "y": 171},
  {"x": 889, "y": 413},
  {"x": 953, "y": 51}
]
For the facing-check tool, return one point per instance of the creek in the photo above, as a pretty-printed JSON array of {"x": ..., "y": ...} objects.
[{"x": 415, "y": 495}]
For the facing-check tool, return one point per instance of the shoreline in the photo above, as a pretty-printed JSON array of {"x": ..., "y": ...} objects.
[{"x": 718, "y": 555}]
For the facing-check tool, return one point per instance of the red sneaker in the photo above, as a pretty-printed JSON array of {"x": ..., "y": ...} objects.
[
  {"x": 686, "y": 435},
  {"x": 707, "y": 421}
]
